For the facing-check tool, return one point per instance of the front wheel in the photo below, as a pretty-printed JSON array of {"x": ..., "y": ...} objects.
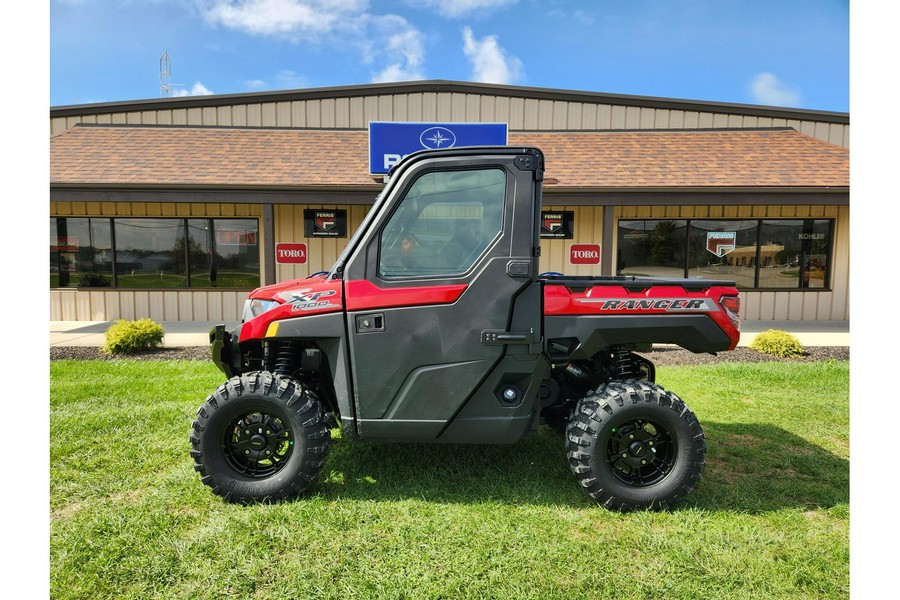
[
  {"x": 260, "y": 437},
  {"x": 633, "y": 445}
]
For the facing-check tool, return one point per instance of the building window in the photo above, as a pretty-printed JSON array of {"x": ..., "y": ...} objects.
[
  {"x": 724, "y": 250},
  {"x": 153, "y": 253},
  {"x": 795, "y": 253},
  {"x": 652, "y": 248},
  {"x": 762, "y": 254},
  {"x": 80, "y": 252}
]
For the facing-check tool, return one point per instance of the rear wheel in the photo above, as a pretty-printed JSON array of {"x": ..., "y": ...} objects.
[
  {"x": 260, "y": 437},
  {"x": 633, "y": 445}
]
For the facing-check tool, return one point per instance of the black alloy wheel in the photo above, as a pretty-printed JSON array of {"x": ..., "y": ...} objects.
[
  {"x": 641, "y": 452},
  {"x": 633, "y": 445},
  {"x": 260, "y": 437},
  {"x": 257, "y": 444}
]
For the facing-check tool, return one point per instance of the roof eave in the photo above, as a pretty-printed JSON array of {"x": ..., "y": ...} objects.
[
  {"x": 696, "y": 189},
  {"x": 444, "y": 86}
]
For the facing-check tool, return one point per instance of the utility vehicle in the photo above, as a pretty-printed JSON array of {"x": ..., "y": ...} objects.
[{"x": 435, "y": 325}]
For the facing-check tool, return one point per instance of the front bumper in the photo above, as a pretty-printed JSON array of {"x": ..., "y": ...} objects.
[{"x": 226, "y": 355}]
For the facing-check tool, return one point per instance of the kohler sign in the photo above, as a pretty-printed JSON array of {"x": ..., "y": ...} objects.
[{"x": 390, "y": 141}]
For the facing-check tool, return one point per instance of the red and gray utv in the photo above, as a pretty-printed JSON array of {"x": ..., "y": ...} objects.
[{"x": 435, "y": 325}]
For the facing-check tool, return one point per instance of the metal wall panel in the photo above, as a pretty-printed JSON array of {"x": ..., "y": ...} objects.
[
  {"x": 519, "y": 113},
  {"x": 322, "y": 252},
  {"x": 588, "y": 229}
]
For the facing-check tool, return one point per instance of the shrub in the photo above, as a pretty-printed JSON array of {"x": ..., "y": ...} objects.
[
  {"x": 126, "y": 337},
  {"x": 778, "y": 343}
]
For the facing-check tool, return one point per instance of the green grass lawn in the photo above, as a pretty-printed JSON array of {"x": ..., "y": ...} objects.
[{"x": 130, "y": 518}]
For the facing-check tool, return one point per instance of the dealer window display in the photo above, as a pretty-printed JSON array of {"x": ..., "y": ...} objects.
[
  {"x": 153, "y": 253},
  {"x": 754, "y": 253}
]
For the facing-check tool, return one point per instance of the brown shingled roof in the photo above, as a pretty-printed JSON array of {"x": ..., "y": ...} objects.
[
  {"x": 739, "y": 158},
  {"x": 205, "y": 156},
  {"x": 167, "y": 156}
]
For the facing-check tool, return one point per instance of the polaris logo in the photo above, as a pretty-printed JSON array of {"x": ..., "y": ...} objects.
[
  {"x": 437, "y": 137},
  {"x": 431, "y": 138},
  {"x": 391, "y": 141}
]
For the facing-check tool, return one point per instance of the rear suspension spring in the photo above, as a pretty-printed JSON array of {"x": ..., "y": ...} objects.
[{"x": 622, "y": 363}]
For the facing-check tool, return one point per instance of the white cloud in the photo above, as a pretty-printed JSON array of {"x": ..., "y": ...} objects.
[
  {"x": 396, "y": 41},
  {"x": 198, "y": 90},
  {"x": 462, "y": 8},
  {"x": 490, "y": 63},
  {"x": 396, "y": 72},
  {"x": 290, "y": 79},
  {"x": 387, "y": 39},
  {"x": 768, "y": 89},
  {"x": 291, "y": 19}
]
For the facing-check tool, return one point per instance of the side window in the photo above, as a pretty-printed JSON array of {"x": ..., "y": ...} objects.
[{"x": 444, "y": 224}]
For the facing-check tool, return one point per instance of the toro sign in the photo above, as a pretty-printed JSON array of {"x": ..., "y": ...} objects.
[
  {"x": 584, "y": 254},
  {"x": 287, "y": 253}
]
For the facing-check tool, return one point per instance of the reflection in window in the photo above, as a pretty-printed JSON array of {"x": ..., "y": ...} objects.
[
  {"x": 80, "y": 252},
  {"x": 154, "y": 253},
  {"x": 444, "y": 223},
  {"x": 651, "y": 248},
  {"x": 754, "y": 253},
  {"x": 150, "y": 253},
  {"x": 235, "y": 254},
  {"x": 795, "y": 253},
  {"x": 723, "y": 250}
]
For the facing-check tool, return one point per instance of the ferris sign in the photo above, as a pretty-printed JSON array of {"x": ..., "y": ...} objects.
[
  {"x": 292, "y": 254},
  {"x": 584, "y": 254}
]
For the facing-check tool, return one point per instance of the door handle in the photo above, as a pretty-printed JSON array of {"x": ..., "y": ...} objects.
[
  {"x": 369, "y": 323},
  {"x": 494, "y": 337}
]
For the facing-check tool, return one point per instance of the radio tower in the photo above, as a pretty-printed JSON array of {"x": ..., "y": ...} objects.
[{"x": 165, "y": 75}]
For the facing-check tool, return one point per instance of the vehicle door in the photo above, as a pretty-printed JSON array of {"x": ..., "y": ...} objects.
[{"x": 431, "y": 293}]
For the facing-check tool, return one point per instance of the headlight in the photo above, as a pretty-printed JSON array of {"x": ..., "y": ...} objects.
[{"x": 253, "y": 308}]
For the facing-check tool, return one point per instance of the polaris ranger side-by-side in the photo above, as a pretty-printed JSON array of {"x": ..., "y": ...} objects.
[{"x": 434, "y": 325}]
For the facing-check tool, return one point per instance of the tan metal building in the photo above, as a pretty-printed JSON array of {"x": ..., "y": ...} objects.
[{"x": 172, "y": 209}]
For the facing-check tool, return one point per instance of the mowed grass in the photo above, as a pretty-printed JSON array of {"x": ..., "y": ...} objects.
[{"x": 130, "y": 518}]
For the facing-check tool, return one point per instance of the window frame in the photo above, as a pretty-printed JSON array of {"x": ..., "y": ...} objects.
[
  {"x": 450, "y": 274},
  {"x": 184, "y": 227},
  {"x": 759, "y": 226}
]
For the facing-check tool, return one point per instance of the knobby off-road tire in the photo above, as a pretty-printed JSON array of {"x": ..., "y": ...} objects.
[
  {"x": 633, "y": 446},
  {"x": 260, "y": 437}
]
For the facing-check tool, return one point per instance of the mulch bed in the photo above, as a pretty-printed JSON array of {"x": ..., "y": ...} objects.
[{"x": 660, "y": 355}]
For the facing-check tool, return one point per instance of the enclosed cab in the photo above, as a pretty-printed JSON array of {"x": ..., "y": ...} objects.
[{"x": 435, "y": 325}]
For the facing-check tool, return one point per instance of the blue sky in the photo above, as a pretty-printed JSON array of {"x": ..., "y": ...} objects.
[{"x": 792, "y": 53}]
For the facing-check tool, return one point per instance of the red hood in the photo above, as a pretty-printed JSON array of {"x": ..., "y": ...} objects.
[
  {"x": 269, "y": 292},
  {"x": 298, "y": 298}
]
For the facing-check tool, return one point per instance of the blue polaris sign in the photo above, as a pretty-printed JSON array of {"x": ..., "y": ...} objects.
[{"x": 390, "y": 141}]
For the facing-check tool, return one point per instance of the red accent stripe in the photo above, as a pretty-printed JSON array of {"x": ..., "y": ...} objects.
[{"x": 365, "y": 295}]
